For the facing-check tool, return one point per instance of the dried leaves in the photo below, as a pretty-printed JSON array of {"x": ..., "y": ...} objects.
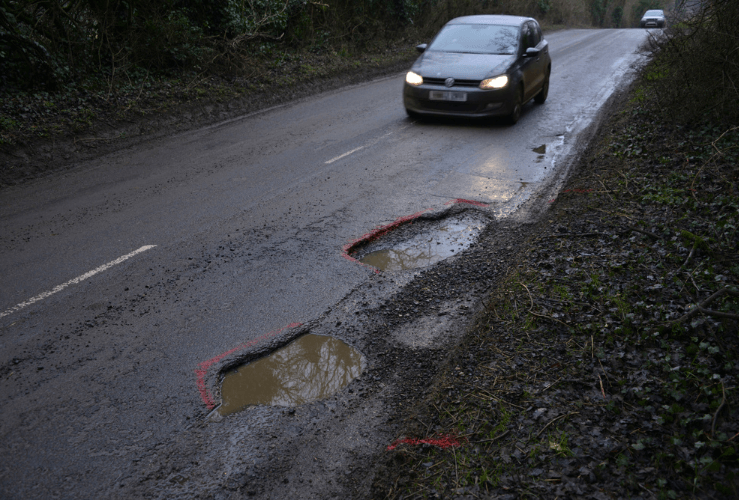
[{"x": 607, "y": 362}]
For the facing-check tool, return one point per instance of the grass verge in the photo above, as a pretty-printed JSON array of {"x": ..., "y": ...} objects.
[
  {"x": 79, "y": 107},
  {"x": 605, "y": 364}
]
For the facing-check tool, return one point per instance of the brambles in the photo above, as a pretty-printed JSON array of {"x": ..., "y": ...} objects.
[{"x": 694, "y": 73}]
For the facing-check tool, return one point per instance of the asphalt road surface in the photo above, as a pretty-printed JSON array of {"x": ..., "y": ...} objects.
[{"x": 129, "y": 282}]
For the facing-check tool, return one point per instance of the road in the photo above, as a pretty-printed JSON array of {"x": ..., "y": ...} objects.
[{"x": 206, "y": 245}]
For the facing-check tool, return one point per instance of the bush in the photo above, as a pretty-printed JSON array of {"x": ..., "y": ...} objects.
[
  {"x": 48, "y": 43},
  {"x": 695, "y": 75}
]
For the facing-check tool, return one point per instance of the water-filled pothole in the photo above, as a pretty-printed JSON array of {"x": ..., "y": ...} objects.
[
  {"x": 429, "y": 246},
  {"x": 310, "y": 368},
  {"x": 541, "y": 151}
]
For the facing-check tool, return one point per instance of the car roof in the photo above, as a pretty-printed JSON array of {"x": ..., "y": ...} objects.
[
  {"x": 490, "y": 19},
  {"x": 653, "y": 12}
]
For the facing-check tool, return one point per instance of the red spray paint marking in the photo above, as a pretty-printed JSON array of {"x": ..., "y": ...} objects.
[
  {"x": 382, "y": 230},
  {"x": 444, "y": 441},
  {"x": 376, "y": 233},
  {"x": 468, "y": 202},
  {"x": 203, "y": 367}
]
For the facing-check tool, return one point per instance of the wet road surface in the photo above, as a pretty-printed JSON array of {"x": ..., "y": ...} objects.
[{"x": 232, "y": 237}]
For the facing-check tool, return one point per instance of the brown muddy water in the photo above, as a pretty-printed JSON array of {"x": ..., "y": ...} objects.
[
  {"x": 541, "y": 151},
  {"x": 423, "y": 250},
  {"x": 310, "y": 368}
]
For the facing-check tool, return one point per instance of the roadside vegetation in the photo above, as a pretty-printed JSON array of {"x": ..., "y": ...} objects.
[
  {"x": 68, "y": 66},
  {"x": 606, "y": 365}
]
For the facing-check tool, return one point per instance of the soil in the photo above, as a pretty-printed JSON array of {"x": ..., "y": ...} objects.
[
  {"x": 605, "y": 364},
  {"x": 41, "y": 133},
  {"x": 593, "y": 360}
]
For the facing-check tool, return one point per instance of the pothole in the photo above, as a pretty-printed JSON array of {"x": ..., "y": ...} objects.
[
  {"x": 311, "y": 368},
  {"x": 421, "y": 244},
  {"x": 427, "y": 331},
  {"x": 541, "y": 152}
]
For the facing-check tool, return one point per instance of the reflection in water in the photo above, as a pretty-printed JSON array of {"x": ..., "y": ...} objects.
[
  {"x": 311, "y": 368},
  {"x": 426, "y": 249},
  {"x": 541, "y": 151}
]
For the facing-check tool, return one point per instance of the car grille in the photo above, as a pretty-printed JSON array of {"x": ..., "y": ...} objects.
[
  {"x": 456, "y": 107},
  {"x": 457, "y": 83}
]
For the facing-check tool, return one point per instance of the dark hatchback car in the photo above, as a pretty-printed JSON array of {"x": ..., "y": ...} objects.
[{"x": 480, "y": 66}]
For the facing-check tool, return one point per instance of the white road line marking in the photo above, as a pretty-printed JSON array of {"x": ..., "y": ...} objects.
[
  {"x": 370, "y": 143},
  {"x": 75, "y": 281},
  {"x": 344, "y": 155}
]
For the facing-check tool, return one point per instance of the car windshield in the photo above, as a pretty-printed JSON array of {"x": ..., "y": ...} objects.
[
  {"x": 653, "y": 13},
  {"x": 477, "y": 39}
]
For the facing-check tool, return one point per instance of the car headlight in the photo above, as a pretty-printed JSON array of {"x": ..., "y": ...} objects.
[
  {"x": 494, "y": 83},
  {"x": 413, "y": 79}
]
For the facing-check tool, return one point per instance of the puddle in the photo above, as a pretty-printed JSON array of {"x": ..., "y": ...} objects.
[
  {"x": 541, "y": 151},
  {"x": 310, "y": 368},
  {"x": 431, "y": 246}
]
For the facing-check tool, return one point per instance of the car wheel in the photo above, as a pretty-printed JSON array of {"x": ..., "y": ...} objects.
[
  {"x": 544, "y": 92},
  {"x": 517, "y": 104}
]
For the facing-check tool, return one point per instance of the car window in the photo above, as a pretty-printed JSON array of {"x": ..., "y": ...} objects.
[
  {"x": 476, "y": 39},
  {"x": 535, "y": 34},
  {"x": 526, "y": 37},
  {"x": 653, "y": 13}
]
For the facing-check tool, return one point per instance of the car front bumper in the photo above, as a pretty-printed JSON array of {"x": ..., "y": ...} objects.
[
  {"x": 653, "y": 23},
  {"x": 478, "y": 104}
]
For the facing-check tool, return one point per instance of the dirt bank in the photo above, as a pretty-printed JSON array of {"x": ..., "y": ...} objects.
[
  {"x": 41, "y": 133},
  {"x": 605, "y": 364}
]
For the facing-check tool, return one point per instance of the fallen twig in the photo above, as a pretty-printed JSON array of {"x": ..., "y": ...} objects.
[
  {"x": 530, "y": 297},
  {"x": 606, "y": 191},
  {"x": 690, "y": 255},
  {"x": 491, "y": 440},
  {"x": 719, "y": 314},
  {"x": 551, "y": 385},
  {"x": 651, "y": 235},
  {"x": 702, "y": 307},
  {"x": 554, "y": 420},
  {"x": 549, "y": 318},
  {"x": 718, "y": 410},
  {"x": 573, "y": 235}
]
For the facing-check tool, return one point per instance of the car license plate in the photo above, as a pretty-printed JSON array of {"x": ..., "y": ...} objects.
[{"x": 439, "y": 95}]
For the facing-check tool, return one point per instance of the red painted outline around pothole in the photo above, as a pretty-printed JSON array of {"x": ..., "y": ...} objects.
[
  {"x": 382, "y": 230},
  {"x": 202, "y": 369},
  {"x": 376, "y": 233},
  {"x": 444, "y": 441}
]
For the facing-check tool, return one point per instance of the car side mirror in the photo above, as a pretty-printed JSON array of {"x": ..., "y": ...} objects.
[
  {"x": 421, "y": 47},
  {"x": 531, "y": 52}
]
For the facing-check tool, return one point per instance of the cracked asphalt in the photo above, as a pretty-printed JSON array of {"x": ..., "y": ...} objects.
[{"x": 109, "y": 382}]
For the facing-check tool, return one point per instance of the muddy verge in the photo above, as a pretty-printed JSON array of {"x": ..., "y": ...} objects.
[
  {"x": 110, "y": 127},
  {"x": 605, "y": 364}
]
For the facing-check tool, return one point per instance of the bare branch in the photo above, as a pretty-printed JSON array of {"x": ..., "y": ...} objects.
[{"x": 701, "y": 308}]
